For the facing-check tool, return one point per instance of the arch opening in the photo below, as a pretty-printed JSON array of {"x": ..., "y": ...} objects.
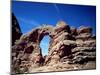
[{"x": 44, "y": 44}]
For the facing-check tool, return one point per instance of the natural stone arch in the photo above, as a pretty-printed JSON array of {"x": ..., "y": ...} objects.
[
  {"x": 30, "y": 43},
  {"x": 64, "y": 44},
  {"x": 37, "y": 35}
]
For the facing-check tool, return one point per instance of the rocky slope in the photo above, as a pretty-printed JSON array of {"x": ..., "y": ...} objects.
[
  {"x": 16, "y": 31},
  {"x": 69, "y": 49}
]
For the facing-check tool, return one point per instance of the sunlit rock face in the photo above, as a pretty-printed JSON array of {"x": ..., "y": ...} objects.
[{"x": 69, "y": 49}]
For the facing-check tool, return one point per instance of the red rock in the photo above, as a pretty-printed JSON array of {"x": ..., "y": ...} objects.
[{"x": 76, "y": 44}]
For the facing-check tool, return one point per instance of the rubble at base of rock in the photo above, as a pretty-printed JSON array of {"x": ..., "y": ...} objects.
[{"x": 70, "y": 49}]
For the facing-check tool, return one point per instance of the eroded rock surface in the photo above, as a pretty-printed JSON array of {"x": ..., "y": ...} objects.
[{"x": 69, "y": 49}]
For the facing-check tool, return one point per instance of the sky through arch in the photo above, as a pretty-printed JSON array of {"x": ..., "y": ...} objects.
[{"x": 44, "y": 44}]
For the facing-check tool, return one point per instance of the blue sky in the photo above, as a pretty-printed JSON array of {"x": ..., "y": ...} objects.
[{"x": 33, "y": 14}]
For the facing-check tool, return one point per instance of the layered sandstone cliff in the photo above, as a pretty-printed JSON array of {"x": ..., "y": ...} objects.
[{"x": 69, "y": 49}]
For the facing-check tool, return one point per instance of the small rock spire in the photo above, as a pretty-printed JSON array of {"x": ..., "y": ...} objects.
[{"x": 61, "y": 23}]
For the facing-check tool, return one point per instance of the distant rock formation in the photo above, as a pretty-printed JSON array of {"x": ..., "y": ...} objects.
[
  {"x": 69, "y": 49},
  {"x": 16, "y": 31}
]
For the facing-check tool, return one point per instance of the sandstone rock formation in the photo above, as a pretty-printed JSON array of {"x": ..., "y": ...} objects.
[
  {"x": 70, "y": 49},
  {"x": 16, "y": 31}
]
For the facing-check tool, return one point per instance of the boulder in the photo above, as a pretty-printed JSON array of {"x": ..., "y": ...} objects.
[{"x": 84, "y": 29}]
